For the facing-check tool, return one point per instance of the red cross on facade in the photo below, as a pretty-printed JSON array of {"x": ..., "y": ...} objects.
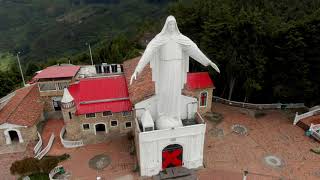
[{"x": 171, "y": 158}]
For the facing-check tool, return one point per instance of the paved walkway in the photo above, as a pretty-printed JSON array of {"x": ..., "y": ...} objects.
[
  {"x": 53, "y": 126},
  {"x": 7, "y": 159},
  {"x": 122, "y": 163},
  {"x": 225, "y": 156},
  {"x": 272, "y": 134}
]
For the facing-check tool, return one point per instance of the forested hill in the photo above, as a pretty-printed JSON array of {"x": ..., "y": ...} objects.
[
  {"x": 43, "y": 29},
  {"x": 268, "y": 51}
]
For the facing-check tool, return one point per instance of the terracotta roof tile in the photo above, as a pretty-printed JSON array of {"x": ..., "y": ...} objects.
[
  {"x": 25, "y": 108},
  {"x": 143, "y": 87}
]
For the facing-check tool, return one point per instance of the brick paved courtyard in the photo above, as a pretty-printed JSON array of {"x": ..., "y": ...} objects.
[
  {"x": 226, "y": 155},
  {"x": 272, "y": 134}
]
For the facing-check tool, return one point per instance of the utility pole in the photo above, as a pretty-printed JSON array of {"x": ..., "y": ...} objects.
[
  {"x": 90, "y": 53},
  {"x": 24, "y": 83}
]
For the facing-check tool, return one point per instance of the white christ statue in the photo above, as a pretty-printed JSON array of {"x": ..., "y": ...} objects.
[{"x": 168, "y": 54}]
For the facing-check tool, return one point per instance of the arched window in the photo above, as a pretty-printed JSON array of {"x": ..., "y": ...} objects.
[{"x": 203, "y": 98}]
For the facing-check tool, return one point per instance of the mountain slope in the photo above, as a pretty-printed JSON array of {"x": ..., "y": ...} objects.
[{"x": 43, "y": 29}]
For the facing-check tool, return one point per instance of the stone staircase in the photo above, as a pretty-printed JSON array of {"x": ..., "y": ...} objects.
[{"x": 176, "y": 173}]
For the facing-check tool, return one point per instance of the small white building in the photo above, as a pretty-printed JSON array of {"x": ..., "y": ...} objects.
[
  {"x": 20, "y": 113},
  {"x": 179, "y": 146}
]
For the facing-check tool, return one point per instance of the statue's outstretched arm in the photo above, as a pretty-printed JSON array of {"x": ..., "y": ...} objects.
[
  {"x": 193, "y": 51},
  {"x": 145, "y": 59}
]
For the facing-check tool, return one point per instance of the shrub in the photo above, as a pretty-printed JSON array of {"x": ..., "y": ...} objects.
[
  {"x": 31, "y": 165},
  {"x": 60, "y": 158},
  {"x": 25, "y": 166},
  {"x": 47, "y": 164},
  {"x": 37, "y": 176}
]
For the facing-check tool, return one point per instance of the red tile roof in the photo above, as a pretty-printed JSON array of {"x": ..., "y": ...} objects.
[
  {"x": 143, "y": 87},
  {"x": 58, "y": 72},
  {"x": 199, "y": 80},
  {"x": 111, "y": 91},
  {"x": 24, "y": 108}
]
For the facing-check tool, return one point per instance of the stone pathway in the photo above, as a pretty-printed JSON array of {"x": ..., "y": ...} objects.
[
  {"x": 13, "y": 148},
  {"x": 122, "y": 163},
  {"x": 53, "y": 126},
  {"x": 273, "y": 134},
  {"x": 226, "y": 154},
  {"x": 7, "y": 159}
]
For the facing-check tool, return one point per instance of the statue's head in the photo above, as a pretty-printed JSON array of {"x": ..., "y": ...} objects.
[{"x": 170, "y": 27}]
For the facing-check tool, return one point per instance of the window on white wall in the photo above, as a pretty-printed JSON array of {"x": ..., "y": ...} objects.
[
  {"x": 113, "y": 123},
  {"x": 107, "y": 113},
  {"x": 128, "y": 124},
  {"x": 203, "y": 98},
  {"x": 85, "y": 126}
]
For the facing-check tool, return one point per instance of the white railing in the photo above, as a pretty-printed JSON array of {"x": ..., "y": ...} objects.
[
  {"x": 38, "y": 146},
  {"x": 258, "y": 106},
  {"x": 69, "y": 144},
  {"x": 53, "y": 85},
  {"x": 297, "y": 118},
  {"x": 46, "y": 149},
  {"x": 54, "y": 171}
]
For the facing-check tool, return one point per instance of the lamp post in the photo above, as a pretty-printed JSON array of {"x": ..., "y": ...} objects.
[
  {"x": 24, "y": 83},
  {"x": 88, "y": 44}
]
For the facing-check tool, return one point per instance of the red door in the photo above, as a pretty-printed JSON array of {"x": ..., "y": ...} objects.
[{"x": 172, "y": 156}]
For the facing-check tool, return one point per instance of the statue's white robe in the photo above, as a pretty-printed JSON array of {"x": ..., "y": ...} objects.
[{"x": 169, "y": 60}]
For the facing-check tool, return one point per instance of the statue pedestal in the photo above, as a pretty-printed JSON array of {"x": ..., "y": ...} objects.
[{"x": 179, "y": 146}]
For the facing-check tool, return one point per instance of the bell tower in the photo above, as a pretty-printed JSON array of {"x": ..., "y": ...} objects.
[{"x": 68, "y": 106}]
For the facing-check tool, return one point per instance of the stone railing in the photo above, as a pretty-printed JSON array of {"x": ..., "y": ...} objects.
[
  {"x": 258, "y": 106},
  {"x": 54, "y": 171},
  {"x": 38, "y": 146},
  {"x": 53, "y": 87},
  {"x": 46, "y": 149},
  {"x": 69, "y": 144},
  {"x": 297, "y": 118},
  {"x": 67, "y": 105}
]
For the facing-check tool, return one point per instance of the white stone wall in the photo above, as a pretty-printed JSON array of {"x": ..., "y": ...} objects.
[
  {"x": 187, "y": 110},
  {"x": 151, "y": 144}
]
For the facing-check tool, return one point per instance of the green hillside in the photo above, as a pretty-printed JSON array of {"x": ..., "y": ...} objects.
[
  {"x": 43, "y": 29},
  {"x": 6, "y": 61}
]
